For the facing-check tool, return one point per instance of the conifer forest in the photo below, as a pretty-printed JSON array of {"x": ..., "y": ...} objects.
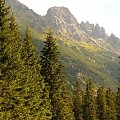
[{"x": 34, "y": 85}]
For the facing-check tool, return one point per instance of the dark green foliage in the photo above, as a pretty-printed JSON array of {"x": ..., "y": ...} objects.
[
  {"x": 89, "y": 103},
  {"x": 35, "y": 103},
  {"x": 51, "y": 67},
  {"x": 65, "y": 105},
  {"x": 51, "y": 70},
  {"x": 101, "y": 104},
  {"x": 111, "y": 107},
  {"x": 10, "y": 63},
  {"x": 77, "y": 100},
  {"x": 22, "y": 92},
  {"x": 118, "y": 104}
]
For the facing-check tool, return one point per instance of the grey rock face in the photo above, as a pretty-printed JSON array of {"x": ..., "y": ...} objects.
[
  {"x": 94, "y": 31},
  {"x": 63, "y": 22},
  {"x": 114, "y": 41}
]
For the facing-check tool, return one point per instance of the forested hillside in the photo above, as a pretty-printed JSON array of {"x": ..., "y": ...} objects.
[{"x": 34, "y": 85}]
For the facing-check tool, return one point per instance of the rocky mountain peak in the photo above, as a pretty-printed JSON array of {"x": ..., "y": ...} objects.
[
  {"x": 94, "y": 31},
  {"x": 112, "y": 35},
  {"x": 114, "y": 41},
  {"x": 63, "y": 14},
  {"x": 63, "y": 22},
  {"x": 59, "y": 11}
]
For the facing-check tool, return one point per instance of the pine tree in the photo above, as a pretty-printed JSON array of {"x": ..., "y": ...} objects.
[
  {"x": 111, "y": 106},
  {"x": 101, "y": 104},
  {"x": 118, "y": 104},
  {"x": 35, "y": 101},
  {"x": 51, "y": 70},
  {"x": 77, "y": 100},
  {"x": 9, "y": 63},
  {"x": 89, "y": 103},
  {"x": 65, "y": 105}
]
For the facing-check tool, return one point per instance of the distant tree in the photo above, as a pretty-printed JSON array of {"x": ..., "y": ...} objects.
[
  {"x": 89, "y": 103},
  {"x": 111, "y": 106},
  {"x": 66, "y": 105},
  {"x": 118, "y": 104},
  {"x": 101, "y": 104},
  {"x": 77, "y": 101}
]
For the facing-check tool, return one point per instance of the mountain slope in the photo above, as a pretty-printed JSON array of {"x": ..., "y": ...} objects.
[
  {"x": 25, "y": 16},
  {"x": 102, "y": 38},
  {"x": 81, "y": 51}
]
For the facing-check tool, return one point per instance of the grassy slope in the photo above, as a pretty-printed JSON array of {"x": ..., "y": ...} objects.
[
  {"x": 100, "y": 65},
  {"x": 92, "y": 62}
]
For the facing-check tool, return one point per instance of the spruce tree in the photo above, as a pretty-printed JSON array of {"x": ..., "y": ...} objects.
[
  {"x": 65, "y": 105},
  {"x": 111, "y": 106},
  {"x": 35, "y": 101},
  {"x": 77, "y": 100},
  {"x": 101, "y": 104},
  {"x": 9, "y": 64},
  {"x": 51, "y": 70},
  {"x": 89, "y": 103},
  {"x": 118, "y": 104}
]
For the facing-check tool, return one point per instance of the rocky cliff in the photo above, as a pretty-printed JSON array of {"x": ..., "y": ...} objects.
[
  {"x": 114, "y": 41},
  {"x": 94, "y": 31},
  {"x": 63, "y": 22}
]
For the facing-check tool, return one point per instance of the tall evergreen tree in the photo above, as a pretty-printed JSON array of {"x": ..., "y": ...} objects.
[
  {"x": 101, "y": 104},
  {"x": 118, "y": 104},
  {"x": 111, "y": 106},
  {"x": 77, "y": 100},
  {"x": 51, "y": 70},
  {"x": 9, "y": 63},
  {"x": 65, "y": 105},
  {"x": 89, "y": 103},
  {"x": 35, "y": 97}
]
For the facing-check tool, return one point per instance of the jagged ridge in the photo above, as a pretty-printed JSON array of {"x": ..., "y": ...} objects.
[{"x": 64, "y": 23}]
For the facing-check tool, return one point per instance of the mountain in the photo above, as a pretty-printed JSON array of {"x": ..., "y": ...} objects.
[
  {"x": 86, "y": 48},
  {"x": 99, "y": 33},
  {"x": 63, "y": 22},
  {"x": 114, "y": 41},
  {"x": 94, "y": 31},
  {"x": 26, "y": 16}
]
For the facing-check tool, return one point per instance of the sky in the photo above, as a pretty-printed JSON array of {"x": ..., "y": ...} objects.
[{"x": 104, "y": 12}]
